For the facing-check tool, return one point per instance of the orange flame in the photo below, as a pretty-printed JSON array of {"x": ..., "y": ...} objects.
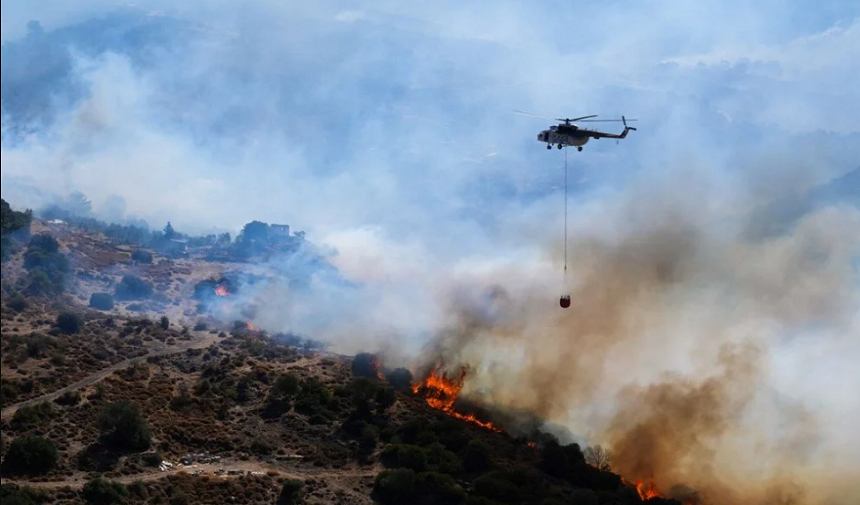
[
  {"x": 222, "y": 290},
  {"x": 646, "y": 490},
  {"x": 440, "y": 392},
  {"x": 378, "y": 367},
  {"x": 252, "y": 327}
]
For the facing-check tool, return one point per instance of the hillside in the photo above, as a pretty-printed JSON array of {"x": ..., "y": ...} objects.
[{"x": 122, "y": 384}]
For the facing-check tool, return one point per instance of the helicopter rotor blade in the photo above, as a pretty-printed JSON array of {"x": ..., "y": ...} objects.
[
  {"x": 605, "y": 120},
  {"x": 577, "y": 118},
  {"x": 532, "y": 115}
]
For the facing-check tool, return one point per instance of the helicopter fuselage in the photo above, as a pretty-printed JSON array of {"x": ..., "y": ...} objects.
[{"x": 571, "y": 138}]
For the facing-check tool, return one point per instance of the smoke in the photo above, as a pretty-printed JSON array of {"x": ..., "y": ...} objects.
[
  {"x": 703, "y": 355},
  {"x": 700, "y": 335}
]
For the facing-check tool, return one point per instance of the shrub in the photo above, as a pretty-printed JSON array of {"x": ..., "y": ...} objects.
[
  {"x": 291, "y": 493},
  {"x": 17, "y": 303},
  {"x": 141, "y": 256},
  {"x": 123, "y": 427},
  {"x": 476, "y": 457},
  {"x": 287, "y": 385},
  {"x": 365, "y": 365},
  {"x": 69, "y": 398},
  {"x": 69, "y": 323},
  {"x": 405, "y": 456},
  {"x": 32, "y": 415},
  {"x": 103, "y": 492},
  {"x": 440, "y": 488},
  {"x": 31, "y": 455},
  {"x": 101, "y": 301},
  {"x": 133, "y": 288},
  {"x": 47, "y": 267},
  {"x": 395, "y": 486},
  {"x": 152, "y": 459},
  {"x": 164, "y": 323},
  {"x": 23, "y": 496},
  {"x": 400, "y": 379}
]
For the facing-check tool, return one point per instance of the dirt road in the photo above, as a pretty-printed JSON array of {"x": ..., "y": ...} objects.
[
  {"x": 201, "y": 341},
  {"x": 206, "y": 470}
]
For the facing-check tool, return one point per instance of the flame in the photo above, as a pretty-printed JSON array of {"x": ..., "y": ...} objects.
[
  {"x": 647, "y": 490},
  {"x": 252, "y": 327},
  {"x": 378, "y": 367},
  {"x": 222, "y": 290},
  {"x": 440, "y": 392}
]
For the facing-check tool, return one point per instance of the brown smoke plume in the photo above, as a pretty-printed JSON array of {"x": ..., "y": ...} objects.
[{"x": 668, "y": 352}]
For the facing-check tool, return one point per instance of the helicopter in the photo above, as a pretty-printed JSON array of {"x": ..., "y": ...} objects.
[{"x": 569, "y": 134}]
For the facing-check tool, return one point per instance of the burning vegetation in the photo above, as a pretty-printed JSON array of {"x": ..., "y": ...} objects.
[{"x": 441, "y": 392}]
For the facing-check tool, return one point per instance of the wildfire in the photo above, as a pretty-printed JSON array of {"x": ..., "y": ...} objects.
[
  {"x": 222, "y": 290},
  {"x": 251, "y": 327},
  {"x": 378, "y": 367},
  {"x": 646, "y": 490},
  {"x": 440, "y": 392}
]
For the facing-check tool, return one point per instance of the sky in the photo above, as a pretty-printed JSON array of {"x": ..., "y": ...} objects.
[{"x": 387, "y": 132}]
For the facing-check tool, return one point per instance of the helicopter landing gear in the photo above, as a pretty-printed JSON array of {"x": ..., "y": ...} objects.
[
  {"x": 560, "y": 146},
  {"x": 549, "y": 146},
  {"x": 579, "y": 148}
]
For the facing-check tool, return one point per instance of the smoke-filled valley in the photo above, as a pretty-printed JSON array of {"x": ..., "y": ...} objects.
[{"x": 711, "y": 257}]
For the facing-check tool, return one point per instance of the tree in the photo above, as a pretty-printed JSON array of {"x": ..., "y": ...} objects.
[
  {"x": 476, "y": 457},
  {"x": 133, "y": 288},
  {"x": 78, "y": 204},
  {"x": 287, "y": 385},
  {"x": 400, "y": 379},
  {"x": 365, "y": 365},
  {"x": 395, "y": 486},
  {"x": 291, "y": 493},
  {"x": 69, "y": 323},
  {"x": 254, "y": 232},
  {"x": 123, "y": 427},
  {"x": 164, "y": 323},
  {"x": 169, "y": 232},
  {"x": 31, "y": 455},
  {"x": 598, "y": 457},
  {"x": 100, "y": 491},
  {"x": 101, "y": 301}
]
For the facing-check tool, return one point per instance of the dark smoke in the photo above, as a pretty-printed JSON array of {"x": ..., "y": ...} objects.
[{"x": 667, "y": 354}]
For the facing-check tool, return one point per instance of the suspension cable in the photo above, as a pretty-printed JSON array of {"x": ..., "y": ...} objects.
[{"x": 565, "y": 215}]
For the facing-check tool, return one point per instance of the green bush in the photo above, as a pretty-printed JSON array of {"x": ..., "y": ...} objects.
[
  {"x": 30, "y": 455},
  {"x": 123, "y": 427},
  {"x": 400, "y": 379},
  {"x": 287, "y": 385},
  {"x": 17, "y": 303},
  {"x": 133, "y": 288},
  {"x": 47, "y": 267},
  {"x": 395, "y": 487},
  {"x": 365, "y": 365},
  {"x": 439, "y": 488},
  {"x": 100, "y": 491},
  {"x": 476, "y": 457},
  {"x": 32, "y": 415},
  {"x": 404, "y": 456},
  {"x": 291, "y": 493},
  {"x": 10, "y": 495},
  {"x": 69, "y": 323},
  {"x": 101, "y": 301},
  {"x": 141, "y": 256}
]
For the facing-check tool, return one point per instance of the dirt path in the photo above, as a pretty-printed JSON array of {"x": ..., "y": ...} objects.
[
  {"x": 204, "y": 340},
  {"x": 205, "y": 470}
]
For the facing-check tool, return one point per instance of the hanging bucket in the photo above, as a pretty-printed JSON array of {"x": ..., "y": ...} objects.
[{"x": 564, "y": 301}]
